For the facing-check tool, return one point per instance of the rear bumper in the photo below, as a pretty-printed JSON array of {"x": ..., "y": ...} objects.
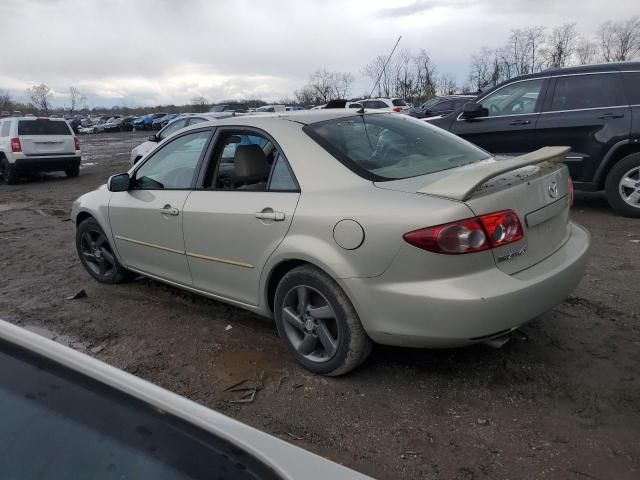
[
  {"x": 463, "y": 310},
  {"x": 46, "y": 164}
]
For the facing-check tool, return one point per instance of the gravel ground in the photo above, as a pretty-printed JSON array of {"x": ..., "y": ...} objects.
[{"x": 563, "y": 403}]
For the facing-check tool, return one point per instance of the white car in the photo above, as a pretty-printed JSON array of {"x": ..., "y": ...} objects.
[
  {"x": 271, "y": 109},
  {"x": 30, "y": 144},
  {"x": 66, "y": 415},
  {"x": 179, "y": 123},
  {"x": 397, "y": 105}
]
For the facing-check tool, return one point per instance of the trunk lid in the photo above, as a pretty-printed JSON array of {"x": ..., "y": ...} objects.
[
  {"x": 535, "y": 186},
  {"x": 43, "y": 136}
]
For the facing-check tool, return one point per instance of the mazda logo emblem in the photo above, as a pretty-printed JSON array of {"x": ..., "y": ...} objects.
[{"x": 553, "y": 189}]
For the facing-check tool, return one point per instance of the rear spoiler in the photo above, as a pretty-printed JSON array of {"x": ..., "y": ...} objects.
[{"x": 461, "y": 184}]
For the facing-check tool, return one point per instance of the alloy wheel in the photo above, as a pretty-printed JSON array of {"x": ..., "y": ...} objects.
[
  {"x": 310, "y": 323},
  {"x": 97, "y": 253},
  {"x": 629, "y": 187}
]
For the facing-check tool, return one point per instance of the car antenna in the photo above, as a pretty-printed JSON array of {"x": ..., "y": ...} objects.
[{"x": 384, "y": 67}]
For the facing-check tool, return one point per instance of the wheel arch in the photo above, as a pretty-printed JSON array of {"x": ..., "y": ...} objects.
[{"x": 617, "y": 153}]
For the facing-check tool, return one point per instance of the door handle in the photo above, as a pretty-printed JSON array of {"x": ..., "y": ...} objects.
[
  {"x": 520, "y": 122},
  {"x": 169, "y": 210},
  {"x": 611, "y": 115},
  {"x": 269, "y": 214}
]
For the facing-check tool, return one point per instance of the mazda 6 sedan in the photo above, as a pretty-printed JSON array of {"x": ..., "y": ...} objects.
[{"x": 347, "y": 228}]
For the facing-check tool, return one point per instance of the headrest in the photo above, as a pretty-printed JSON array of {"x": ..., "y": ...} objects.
[{"x": 250, "y": 161}]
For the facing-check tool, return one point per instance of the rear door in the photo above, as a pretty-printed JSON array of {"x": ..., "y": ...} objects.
[
  {"x": 512, "y": 113},
  {"x": 589, "y": 113},
  {"x": 235, "y": 222},
  {"x": 44, "y": 136}
]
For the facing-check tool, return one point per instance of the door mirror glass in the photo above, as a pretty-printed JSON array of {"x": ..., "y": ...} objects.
[
  {"x": 474, "y": 110},
  {"x": 119, "y": 183}
]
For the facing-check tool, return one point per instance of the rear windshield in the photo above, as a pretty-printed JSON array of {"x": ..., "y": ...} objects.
[
  {"x": 383, "y": 147},
  {"x": 398, "y": 102},
  {"x": 43, "y": 126}
]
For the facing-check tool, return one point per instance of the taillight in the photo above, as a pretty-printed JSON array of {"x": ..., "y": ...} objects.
[
  {"x": 502, "y": 227},
  {"x": 77, "y": 142},
  {"x": 397, "y": 109},
  {"x": 15, "y": 145},
  {"x": 570, "y": 187},
  {"x": 470, "y": 235}
]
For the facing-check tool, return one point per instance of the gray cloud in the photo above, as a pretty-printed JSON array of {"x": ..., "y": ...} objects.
[{"x": 148, "y": 52}]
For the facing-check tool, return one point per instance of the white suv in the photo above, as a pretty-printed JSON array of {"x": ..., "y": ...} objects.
[{"x": 30, "y": 144}]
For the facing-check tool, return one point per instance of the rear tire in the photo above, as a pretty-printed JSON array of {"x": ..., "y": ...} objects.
[
  {"x": 622, "y": 187},
  {"x": 311, "y": 313},
  {"x": 9, "y": 173},
  {"x": 96, "y": 254},
  {"x": 72, "y": 172}
]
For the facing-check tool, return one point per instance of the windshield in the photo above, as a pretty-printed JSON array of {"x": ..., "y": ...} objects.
[{"x": 390, "y": 147}]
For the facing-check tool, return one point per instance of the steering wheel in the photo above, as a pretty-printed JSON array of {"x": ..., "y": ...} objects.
[{"x": 493, "y": 108}]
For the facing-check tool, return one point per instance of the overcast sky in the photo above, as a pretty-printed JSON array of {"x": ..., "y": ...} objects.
[{"x": 149, "y": 52}]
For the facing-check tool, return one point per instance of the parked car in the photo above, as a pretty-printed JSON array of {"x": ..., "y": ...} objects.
[
  {"x": 271, "y": 108},
  {"x": 230, "y": 107},
  {"x": 439, "y": 106},
  {"x": 122, "y": 124},
  {"x": 86, "y": 419},
  {"x": 179, "y": 123},
  {"x": 146, "y": 121},
  {"x": 591, "y": 108},
  {"x": 346, "y": 228},
  {"x": 159, "y": 122},
  {"x": 397, "y": 105},
  {"x": 29, "y": 144},
  {"x": 342, "y": 104}
]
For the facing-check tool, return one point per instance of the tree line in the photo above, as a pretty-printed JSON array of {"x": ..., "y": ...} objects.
[{"x": 409, "y": 75}]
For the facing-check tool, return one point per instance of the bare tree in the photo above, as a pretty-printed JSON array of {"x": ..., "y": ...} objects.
[
  {"x": 6, "y": 104},
  {"x": 40, "y": 96},
  {"x": 620, "y": 41},
  {"x": 479, "y": 75},
  {"x": 199, "y": 103},
  {"x": 305, "y": 95},
  {"x": 342, "y": 83},
  {"x": 585, "y": 51},
  {"x": 426, "y": 81},
  {"x": 447, "y": 84},
  {"x": 76, "y": 98},
  {"x": 561, "y": 44}
]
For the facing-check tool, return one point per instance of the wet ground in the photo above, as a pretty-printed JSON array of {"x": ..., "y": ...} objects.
[{"x": 562, "y": 404}]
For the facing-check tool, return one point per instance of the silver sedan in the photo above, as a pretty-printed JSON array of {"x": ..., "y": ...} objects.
[{"x": 347, "y": 228}]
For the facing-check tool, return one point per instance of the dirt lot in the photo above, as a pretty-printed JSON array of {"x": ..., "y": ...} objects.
[{"x": 562, "y": 404}]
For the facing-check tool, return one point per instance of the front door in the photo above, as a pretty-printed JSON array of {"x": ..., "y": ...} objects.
[
  {"x": 234, "y": 224},
  {"x": 511, "y": 115},
  {"x": 146, "y": 221}
]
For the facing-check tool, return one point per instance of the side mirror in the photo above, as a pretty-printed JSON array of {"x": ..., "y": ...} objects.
[
  {"x": 153, "y": 138},
  {"x": 474, "y": 110},
  {"x": 119, "y": 183}
]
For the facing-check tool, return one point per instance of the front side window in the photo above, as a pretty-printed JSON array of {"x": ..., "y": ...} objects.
[
  {"x": 586, "y": 91},
  {"x": 383, "y": 147},
  {"x": 514, "y": 99},
  {"x": 174, "y": 165},
  {"x": 171, "y": 128},
  {"x": 442, "y": 107}
]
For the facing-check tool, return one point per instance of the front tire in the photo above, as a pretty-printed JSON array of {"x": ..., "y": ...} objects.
[
  {"x": 318, "y": 323},
  {"x": 9, "y": 173},
  {"x": 622, "y": 187},
  {"x": 96, "y": 254}
]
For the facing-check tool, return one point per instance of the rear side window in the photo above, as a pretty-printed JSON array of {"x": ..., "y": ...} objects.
[
  {"x": 383, "y": 147},
  {"x": 43, "y": 126},
  {"x": 4, "y": 131},
  {"x": 398, "y": 102},
  {"x": 632, "y": 84},
  {"x": 586, "y": 91}
]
